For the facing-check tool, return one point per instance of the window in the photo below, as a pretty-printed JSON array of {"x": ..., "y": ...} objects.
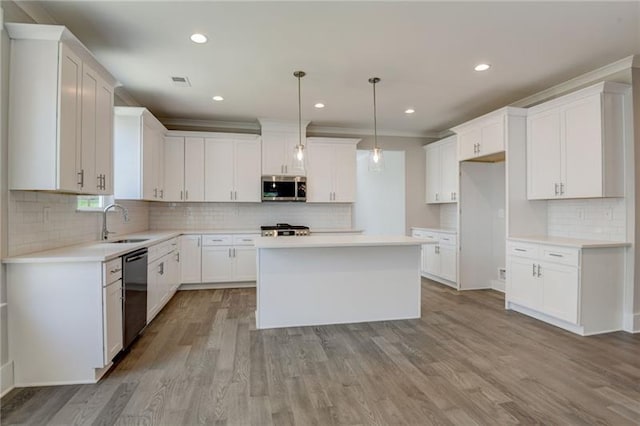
[{"x": 93, "y": 203}]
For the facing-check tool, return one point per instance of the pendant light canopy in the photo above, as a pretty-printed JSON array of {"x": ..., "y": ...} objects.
[
  {"x": 376, "y": 160},
  {"x": 299, "y": 157}
]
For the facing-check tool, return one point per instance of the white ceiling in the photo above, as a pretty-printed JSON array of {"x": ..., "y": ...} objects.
[{"x": 424, "y": 52}]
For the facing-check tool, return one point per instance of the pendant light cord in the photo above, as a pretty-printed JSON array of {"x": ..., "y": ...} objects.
[
  {"x": 299, "y": 112},
  {"x": 375, "y": 120}
]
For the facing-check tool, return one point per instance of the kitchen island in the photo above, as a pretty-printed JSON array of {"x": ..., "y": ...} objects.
[{"x": 319, "y": 280}]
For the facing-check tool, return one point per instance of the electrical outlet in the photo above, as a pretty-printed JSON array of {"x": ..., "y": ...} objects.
[
  {"x": 46, "y": 214},
  {"x": 608, "y": 214}
]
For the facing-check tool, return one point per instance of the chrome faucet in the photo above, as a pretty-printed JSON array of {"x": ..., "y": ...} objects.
[{"x": 125, "y": 214}]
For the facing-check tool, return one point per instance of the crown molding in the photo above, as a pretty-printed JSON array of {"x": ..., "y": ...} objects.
[
  {"x": 580, "y": 81},
  {"x": 123, "y": 94},
  {"x": 326, "y": 130},
  {"x": 311, "y": 129},
  {"x": 211, "y": 124}
]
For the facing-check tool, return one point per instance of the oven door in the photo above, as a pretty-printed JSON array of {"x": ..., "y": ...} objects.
[{"x": 282, "y": 188}]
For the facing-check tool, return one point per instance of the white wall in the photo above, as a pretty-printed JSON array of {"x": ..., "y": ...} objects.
[
  {"x": 418, "y": 213},
  {"x": 380, "y": 196}
]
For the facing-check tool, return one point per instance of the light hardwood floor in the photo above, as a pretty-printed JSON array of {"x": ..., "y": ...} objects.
[{"x": 466, "y": 361}]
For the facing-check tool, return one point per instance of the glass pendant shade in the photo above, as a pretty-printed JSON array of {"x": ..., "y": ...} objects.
[
  {"x": 376, "y": 160},
  {"x": 298, "y": 163},
  {"x": 299, "y": 159}
]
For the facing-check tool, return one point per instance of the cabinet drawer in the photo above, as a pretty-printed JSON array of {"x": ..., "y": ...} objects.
[
  {"x": 424, "y": 235},
  {"x": 522, "y": 250},
  {"x": 562, "y": 255},
  {"x": 217, "y": 240},
  {"x": 448, "y": 239},
  {"x": 244, "y": 239},
  {"x": 112, "y": 271}
]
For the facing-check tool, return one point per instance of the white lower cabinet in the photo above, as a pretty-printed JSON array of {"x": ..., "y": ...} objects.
[
  {"x": 439, "y": 259},
  {"x": 162, "y": 276},
  {"x": 228, "y": 258},
  {"x": 68, "y": 326},
  {"x": 577, "y": 289},
  {"x": 191, "y": 259},
  {"x": 112, "y": 308},
  {"x": 217, "y": 264}
]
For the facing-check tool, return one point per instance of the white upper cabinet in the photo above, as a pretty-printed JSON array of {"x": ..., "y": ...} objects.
[
  {"x": 279, "y": 138},
  {"x": 174, "y": 168},
  {"x": 331, "y": 170},
  {"x": 61, "y": 103},
  {"x": 442, "y": 171},
  {"x": 139, "y": 155},
  {"x": 485, "y": 136},
  {"x": 232, "y": 168},
  {"x": 575, "y": 144},
  {"x": 183, "y": 168}
]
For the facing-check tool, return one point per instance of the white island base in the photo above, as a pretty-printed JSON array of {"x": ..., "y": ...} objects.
[{"x": 305, "y": 281}]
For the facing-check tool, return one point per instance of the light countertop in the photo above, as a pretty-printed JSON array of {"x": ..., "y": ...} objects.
[
  {"x": 569, "y": 242},
  {"x": 98, "y": 251},
  {"x": 443, "y": 230},
  {"x": 336, "y": 241},
  {"x": 95, "y": 251}
]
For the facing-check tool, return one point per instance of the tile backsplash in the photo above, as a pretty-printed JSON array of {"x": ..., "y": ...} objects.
[
  {"x": 28, "y": 231},
  {"x": 449, "y": 215},
  {"x": 597, "y": 219},
  {"x": 247, "y": 215}
]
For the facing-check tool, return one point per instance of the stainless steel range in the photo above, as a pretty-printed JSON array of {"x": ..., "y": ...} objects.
[{"x": 284, "y": 229}]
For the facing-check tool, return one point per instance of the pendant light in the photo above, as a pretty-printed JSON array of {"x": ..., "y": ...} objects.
[
  {"x": 376, "y": 160},
  {"x": 299, "y": 157}
]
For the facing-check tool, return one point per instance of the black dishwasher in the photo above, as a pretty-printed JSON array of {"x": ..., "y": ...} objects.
[{"x": 134, "y": 305}]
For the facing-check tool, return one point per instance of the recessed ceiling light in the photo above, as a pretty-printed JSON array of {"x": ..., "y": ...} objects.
[
  {"x": 319, "y": 105},
  {"x": 409, "y": 111},
  {"x": 218, "y": 98},
  {"x": 198, "y": 38},
  {"x": 482, "y": 67}
]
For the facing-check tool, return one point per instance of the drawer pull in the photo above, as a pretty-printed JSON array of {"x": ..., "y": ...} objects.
[
  {"x": 555, "y": 255},
  {"x": 519, "y": 249},
  {"x": 113, "y": 271}
]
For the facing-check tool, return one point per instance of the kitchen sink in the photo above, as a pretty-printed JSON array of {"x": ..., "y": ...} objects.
[{"x": 127, "y": 241}]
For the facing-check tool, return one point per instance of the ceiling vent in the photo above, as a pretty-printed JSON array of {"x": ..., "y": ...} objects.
[{"x": 181, "y": 81}]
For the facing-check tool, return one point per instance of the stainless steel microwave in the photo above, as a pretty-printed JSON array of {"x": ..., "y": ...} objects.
[{"x": 284, "y": 188}]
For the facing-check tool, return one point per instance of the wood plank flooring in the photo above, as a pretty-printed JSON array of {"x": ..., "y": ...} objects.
[{"x": 467, "y": 361}]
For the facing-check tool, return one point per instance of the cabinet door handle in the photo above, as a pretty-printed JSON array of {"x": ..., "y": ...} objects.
[
  {"x": 561, "y": 188},
  {"x": 519, "y": 249},
  {"x": 81, "y": 178},
  {"x": 155, "y": 192},
  {"x": 198, "y": 239},
  {"x": 555, "y": 255},
  {"x": 539, "y": 269},
  {"x": 162, "y": 194},
  {"x": 181, "y": 194},
  {"x": 235, "y": 195},
  {"x": 104, "y": 182},
  {"x": 178, "y": 257},
  {"x": 229, "y": 254},
  {"x": 231, "y": 195},
  {"x": 436, "y": 196},
  {"x": 161, "y": 268},
  {"x": 286, "y": 168},
  {"x": 534, "y": 270}
]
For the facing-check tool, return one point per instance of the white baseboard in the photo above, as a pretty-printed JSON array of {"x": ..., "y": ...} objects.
[
  {"x": 214, "y": 286},
  {"x": 498, "y": 285},
  {"x": 441, "y": 280},
  {"x": 6, "y": 378},
  {"x": 631, "y": 323}
]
